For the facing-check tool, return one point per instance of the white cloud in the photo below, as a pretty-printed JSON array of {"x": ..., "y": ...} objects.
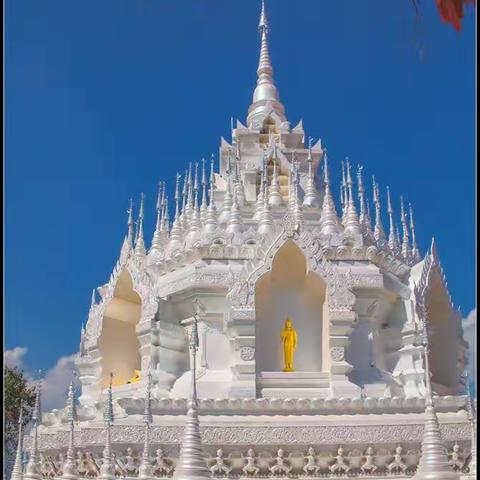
[
  {"x": 469, "y": 334},
  {"x": 14, "y": 357},
  {"x": 55, "y": 382}
]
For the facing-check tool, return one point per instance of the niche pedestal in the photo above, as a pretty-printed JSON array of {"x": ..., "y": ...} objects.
[{"x": 293, "y": 384}]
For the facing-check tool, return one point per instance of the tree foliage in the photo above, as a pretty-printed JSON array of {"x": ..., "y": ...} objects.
[{"x": 16, "y": 392}]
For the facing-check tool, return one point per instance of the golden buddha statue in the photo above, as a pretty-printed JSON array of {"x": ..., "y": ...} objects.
[
  {"x": 136, "y": 377},
  {"x": 289, "y": 340}
]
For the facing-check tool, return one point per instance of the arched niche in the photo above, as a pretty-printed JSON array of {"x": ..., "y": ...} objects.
[
  {"x": 444, "y": 338},
  {"x": 118, "y": 342},
  {"x": 289, "y": 290}
]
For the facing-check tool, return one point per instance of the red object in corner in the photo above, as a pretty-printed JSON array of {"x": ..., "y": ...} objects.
[{"x": 451, "y": 11}]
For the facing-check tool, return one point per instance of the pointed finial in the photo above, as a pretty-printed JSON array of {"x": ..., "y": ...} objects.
[
  {"x": 140, "y": 244},
  {"x": 378, "y": 231},
  {"x": 392, "y": 239},
  {"x": 352, "y": 225},
  {"x": 263, "y": 23},
  {"x": 265, "y": 91},
  {"x": 415, "y": 253},
  {"x": 405, "y": 238},
  {"x": 328, "y": 219},
  {"x": 37, "y": 409},
  {"x": 147, "y": 414},
  {"x": 364, "y": 217},
  {"x": 130, "y": 223},
  {"x": 108, "y": 408},
  {"x": 17, "y": 472},
  {"x": 71, "y": 403}
]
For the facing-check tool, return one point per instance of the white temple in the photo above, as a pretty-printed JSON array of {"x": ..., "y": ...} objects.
[{"x": 252, "y": 243}]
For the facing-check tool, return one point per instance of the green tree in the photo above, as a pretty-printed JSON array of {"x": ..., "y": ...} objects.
[{"x": 16, "y": 392}]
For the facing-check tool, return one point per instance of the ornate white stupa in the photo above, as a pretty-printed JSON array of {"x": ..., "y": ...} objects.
[{"x": 371, "y": 359}]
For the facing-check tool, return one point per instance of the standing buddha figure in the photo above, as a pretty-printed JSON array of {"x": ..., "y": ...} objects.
[{"x": 289, "y": 340}]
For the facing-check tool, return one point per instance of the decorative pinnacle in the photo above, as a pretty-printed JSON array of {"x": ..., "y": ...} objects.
[
  {"x": 415, "y": 252},
  {"x": 37, "y": 409},
  {"x": 405, "y": 239},
  {"x": 191, "y": 463},
  {"x": 108, "y": 408},
  {"x": 177, "y": 186},
  {"x": 263, "y": 23},
  {"x": 328, "y": 218},
  {"x": 392, "y": 240},
  {"x": 140, "y": 244},
  {"x": 130, "y": 223},
  {"x": 71, "y": 404},
  {"x": 352, "y": 226},
  {"x": 211, "y": 218},
  {"x": 147, "y": 414},
  {"x": 379, "y": 233},
  {"x": 364, "y": 221},
  {"x": 265, "y": 91},
  {"x": 17, "y": 472}
]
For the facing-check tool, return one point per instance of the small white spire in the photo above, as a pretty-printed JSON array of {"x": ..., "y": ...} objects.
[
  {"x": 203, "y": 207},
  {"x": 260, "y": 197},
  {"x": 239, "y": 190},
  {"x": 265, "y": 223},
  {"x": 364, "y": 217},
  {"x": 145, "y": 470},
  {"x": 274, "y": 196},
  {"x": 352, "y": 225},
  {"x": 140, "y": 250},
  {"x": 392, "y": 237},
  {"x": 191, "y": 464},
  {"x": 165, "y": 221},
  {"x": 328, "y": 219},
  {"x": 343, "y": 193},
  {"x": 378, "y": 231},
  {"x": 227, "y": 198},
  {"x": 235, "y": 222},
  {"x": 415, "y": 253},
  {"x": 176, "y": 233},
  {"x": 472, "y": 417},
  {"x": 183, "y": 216},
  {"x": 130, "y": 224},
  {"x": 211, "y": 220},
  {"x": 195, "y": 222},
  {"x": 107, "y": 469},
  {"x": 297, "y": 208},
  {"x": 311, "y": 197},
  {"x": 405, "y": 239},
  {"x": 33, "y": 469},
  {"x": 433, "y": 463},
  {"x": 69, "y": 470},
  {"x": 17, "y": 472},
  {"x": 157, "y": 235}
]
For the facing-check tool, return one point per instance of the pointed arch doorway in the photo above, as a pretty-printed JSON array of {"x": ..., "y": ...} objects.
[{"x": 290, "y": 290}]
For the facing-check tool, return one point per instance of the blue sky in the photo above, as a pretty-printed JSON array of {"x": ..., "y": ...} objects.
[{"x": 104, "y": 99}]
